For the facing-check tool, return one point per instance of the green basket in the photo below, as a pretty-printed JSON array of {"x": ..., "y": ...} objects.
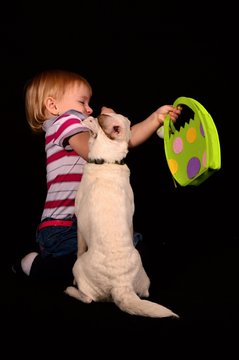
[{"x": 192, "y": 152}]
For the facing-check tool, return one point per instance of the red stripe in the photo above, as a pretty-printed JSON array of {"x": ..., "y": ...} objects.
[
  {"x": 49, "y": 138},
  {"x": 59, "y": 203},
  {"x": 71, "y": 121},
  {"x": 65, "y": 178},
  {"x": 60, "y": 154},
  {"x": 65, "y": 125},
  {"x": 55, "y": 223}
]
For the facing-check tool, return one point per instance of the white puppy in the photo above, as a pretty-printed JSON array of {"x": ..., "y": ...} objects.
[{"x": 109, "y": 267}]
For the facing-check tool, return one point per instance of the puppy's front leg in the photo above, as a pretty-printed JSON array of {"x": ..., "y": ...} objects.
[{"x": 81, "y": 244}]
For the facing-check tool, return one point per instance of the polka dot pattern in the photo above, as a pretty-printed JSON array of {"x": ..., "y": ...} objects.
[
  {"x": 188, "y": 150},
  {"x": 192, "y": 149}
]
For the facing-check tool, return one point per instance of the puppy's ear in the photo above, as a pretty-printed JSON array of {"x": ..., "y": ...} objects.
[
  {"x": 101, "y": 119},
  {"x": 92, "y": 124}
]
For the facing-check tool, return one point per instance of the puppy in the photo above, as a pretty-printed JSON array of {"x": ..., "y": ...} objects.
[{"x": 109, "y": 267}]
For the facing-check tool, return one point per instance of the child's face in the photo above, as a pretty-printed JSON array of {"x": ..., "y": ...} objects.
[{"x": 76, "y": 97}]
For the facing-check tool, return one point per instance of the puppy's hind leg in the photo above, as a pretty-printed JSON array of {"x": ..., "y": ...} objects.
[
  {"x": 142, "y": 285},
  {"x": 81, "y": 244},
  {"x": 77, "y": 294}
]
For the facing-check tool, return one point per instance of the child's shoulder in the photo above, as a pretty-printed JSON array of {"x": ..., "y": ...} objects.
[
  {"x": 71, "y": 117},
  {"x": 70, "y": 113}
]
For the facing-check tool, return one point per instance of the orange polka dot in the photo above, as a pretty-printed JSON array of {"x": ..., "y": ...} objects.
[
  {"x": 173, "y": 166},
  {"x": 191, "y": 135}
]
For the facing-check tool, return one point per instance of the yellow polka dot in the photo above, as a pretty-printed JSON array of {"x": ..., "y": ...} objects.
[
  {"x": 191, "y": 135},
  {"x": 173, "y": 166}
]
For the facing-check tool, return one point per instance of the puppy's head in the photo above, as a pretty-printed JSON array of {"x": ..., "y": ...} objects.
[
  {"x": 115, "y": 126},
  {"x": 110, "y": 135}
]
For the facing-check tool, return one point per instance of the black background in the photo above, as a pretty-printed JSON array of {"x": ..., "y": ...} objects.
[{"x": 137, "y": 57}]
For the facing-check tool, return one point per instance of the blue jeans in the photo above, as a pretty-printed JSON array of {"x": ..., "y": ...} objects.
[
  {"x": 62, "y": 240},
  {"x": 57, "y": 240}
]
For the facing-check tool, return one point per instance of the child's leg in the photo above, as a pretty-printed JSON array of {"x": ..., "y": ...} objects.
[
  {"x": 26, "y": 262},
  {"x": 56, "y": 271}
]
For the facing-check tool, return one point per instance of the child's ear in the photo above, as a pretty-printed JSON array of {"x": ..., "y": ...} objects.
[{"x": 51, "y": 106}]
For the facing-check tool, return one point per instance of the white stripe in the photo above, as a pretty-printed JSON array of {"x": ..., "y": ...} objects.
[
  {"x": 62, "y": 194},
  {"x": 58, "y": 213},
  {"x": 53, "y": 168}
]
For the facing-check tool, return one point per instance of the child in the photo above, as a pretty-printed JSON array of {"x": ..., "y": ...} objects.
[{"x": 57, "y": 102}]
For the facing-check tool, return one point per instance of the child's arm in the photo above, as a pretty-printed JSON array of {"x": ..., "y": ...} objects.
[
  {"x": 79, "y": 143},
  {"x": 141, "y": 131}
]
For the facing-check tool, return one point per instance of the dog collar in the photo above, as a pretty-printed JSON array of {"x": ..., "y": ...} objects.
[{"x": 102, "y": 161}]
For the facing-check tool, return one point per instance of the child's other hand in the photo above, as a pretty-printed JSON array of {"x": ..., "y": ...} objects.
[
  {"x": 106, "y": 110},
  {"x": 170, "y": 110}
]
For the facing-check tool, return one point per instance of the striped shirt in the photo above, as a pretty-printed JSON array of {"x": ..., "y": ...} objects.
[{"x": 64, "y": 167}]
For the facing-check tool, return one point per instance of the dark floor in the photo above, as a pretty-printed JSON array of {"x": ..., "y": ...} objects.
[
  {"x": 201, "y": 286},
  {"x": 137, "y": 58}
]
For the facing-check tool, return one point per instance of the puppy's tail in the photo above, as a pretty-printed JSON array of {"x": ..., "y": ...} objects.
[{"x": 127, "y": 300}]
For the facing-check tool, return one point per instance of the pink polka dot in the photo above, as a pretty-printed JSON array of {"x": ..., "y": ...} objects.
[{"x": 177, "y": 145}]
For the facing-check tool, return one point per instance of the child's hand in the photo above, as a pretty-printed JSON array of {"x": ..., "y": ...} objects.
[
  {"x": 170, "y": 110},
  {"x": 106, "y": 110}
]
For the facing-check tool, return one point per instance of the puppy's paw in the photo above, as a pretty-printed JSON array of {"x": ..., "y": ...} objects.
[{"x": 77, "y": 294}]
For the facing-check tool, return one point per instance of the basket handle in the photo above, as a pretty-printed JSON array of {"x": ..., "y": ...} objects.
[{"x": 168, "y": 124}]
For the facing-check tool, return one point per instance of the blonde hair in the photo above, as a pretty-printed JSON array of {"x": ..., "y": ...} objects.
[{"x": 47, "y": 83}]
